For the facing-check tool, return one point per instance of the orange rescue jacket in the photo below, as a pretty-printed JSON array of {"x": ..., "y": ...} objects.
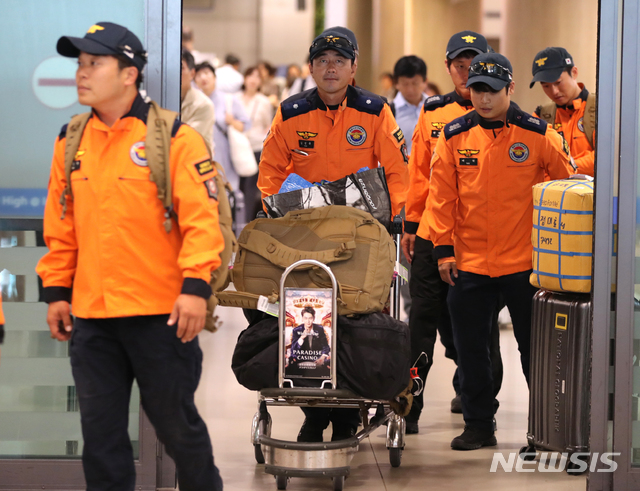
[
  {"x": 480, "y": 204},
  {"x": 438, "y": 111},
  {"x": 311, "y": 140},
  {"x": 569, "y": 123},
  {"x": 111, "y": 250}
]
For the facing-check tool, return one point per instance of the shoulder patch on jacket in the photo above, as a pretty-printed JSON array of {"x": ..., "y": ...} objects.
[
  {"x": 529, "y": 122},
  {"x": 366, "y": 102},
  {"x": 63, "y": 131},
  {"x": 295, "y": 107},
  {"x": 460, "y": 125},
  {"x": 434, "y": 102}
]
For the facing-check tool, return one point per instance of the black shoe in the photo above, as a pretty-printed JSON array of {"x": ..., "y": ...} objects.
[
  {"x": 310, "y": 433},
  {"x": 456, "y": 404},
  {"x": 473, "y": 438},
  {"x": 495, "y": 425},
  {"x": 411, "y": 427},
  {"x": 342, "y": 432}
]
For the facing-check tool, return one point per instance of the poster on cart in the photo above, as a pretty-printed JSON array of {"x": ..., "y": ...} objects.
[{"x": 308, "y": 331}]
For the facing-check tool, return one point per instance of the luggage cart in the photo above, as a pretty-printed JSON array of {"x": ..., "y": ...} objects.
[{"x": 287, "y": 459}]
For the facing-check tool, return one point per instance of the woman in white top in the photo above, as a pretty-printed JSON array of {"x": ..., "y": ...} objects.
[{"x": 260, "y": 112}]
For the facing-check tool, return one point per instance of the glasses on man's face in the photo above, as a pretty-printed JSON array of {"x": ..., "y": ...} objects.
[
  {"x": 333, "y": 41},
  {"x": 490, "y": 68}
]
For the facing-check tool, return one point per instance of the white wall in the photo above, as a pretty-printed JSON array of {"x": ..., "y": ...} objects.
[
  {"x": 231, "y": 26},
  {"x": 287, "y": 32},
  {"x": 253, "y": 30}
]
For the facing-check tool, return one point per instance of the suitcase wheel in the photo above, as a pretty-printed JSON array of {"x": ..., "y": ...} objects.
[
  {"x": 282, "y": 481},
  {"x": 528, "y": 453},
  {"x": 578, "y": 469}
]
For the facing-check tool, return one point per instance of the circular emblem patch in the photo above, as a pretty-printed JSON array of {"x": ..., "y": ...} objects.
[
  {"x": 581, "y": 124},
  {"x": 138, "y": 154},
  {"x": 519, "y": 152},
  {"x": 356, "y": 135}
]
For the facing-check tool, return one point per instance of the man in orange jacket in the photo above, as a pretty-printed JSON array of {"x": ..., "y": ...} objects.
[
  {"x": 479, "y": 213},
  {"x": 429, "y": 314},
  {"x": 335, "y": 129},
  {"x": 558, "y": 76},
  {"x": 329, "y": 132},
  {"x": 138, "y": 292}
]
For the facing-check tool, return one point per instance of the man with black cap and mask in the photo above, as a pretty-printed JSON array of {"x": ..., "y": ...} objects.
[
  {"x": 138, "y": 288},
  {"x": 572, "y": 110},
  {"x": 479, "y": 213},
  {"x": 329, "y": 132}
]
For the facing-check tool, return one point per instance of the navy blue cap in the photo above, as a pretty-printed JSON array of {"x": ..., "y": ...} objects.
[
  {"x": 549, "y": 64},
  {"x": 105, "y": 38},
  {"x": 492, "y": 69},
  {"x": 339, "y": 39},
  {"x": 466, "y": 40}
]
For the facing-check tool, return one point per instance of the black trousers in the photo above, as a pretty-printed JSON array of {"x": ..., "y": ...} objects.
[
  {"x": 322, "y": 416},
  {"x": 106, "y": 356},
  {"x": 429, "y": 315},
  {"x": 252, "y": 195},
  {"x": 471, "y": 306}
]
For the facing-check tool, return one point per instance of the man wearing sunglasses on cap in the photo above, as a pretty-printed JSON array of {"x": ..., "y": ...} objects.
[
  {"x": 572, "y": 110},
  {"x": 479, "y": 213},
  {"x": 329, "y": 132},
  {"x": 429, "y": 313}
]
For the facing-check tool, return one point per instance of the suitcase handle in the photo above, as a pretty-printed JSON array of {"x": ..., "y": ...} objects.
[{"x": 582, "y": 177}]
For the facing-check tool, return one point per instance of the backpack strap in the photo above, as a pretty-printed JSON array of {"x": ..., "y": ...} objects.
[
  {"x": 242, "y": 300},
  {"x": 157, "y": 147},
  {"x": 589, "y": 118},
  {"x": 282, "y": 255},
  {"x": 548, "y": 113},
  {"x": 75, "y": 129}
]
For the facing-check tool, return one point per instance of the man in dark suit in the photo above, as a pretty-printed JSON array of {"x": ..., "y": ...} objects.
[{"x": 308, "y": 340}]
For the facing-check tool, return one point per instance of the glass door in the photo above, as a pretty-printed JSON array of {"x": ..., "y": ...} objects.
[{"x": 40, "y": 436}]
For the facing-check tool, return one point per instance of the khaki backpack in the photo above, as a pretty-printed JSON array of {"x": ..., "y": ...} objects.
[
  {"x": 548, "y": 113},
  {"x": 357, "y": 248},
  {"x": 157, "y": 147}
]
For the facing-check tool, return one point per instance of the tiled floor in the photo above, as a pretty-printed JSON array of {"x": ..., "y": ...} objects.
[{"x": 427, "y": 462}]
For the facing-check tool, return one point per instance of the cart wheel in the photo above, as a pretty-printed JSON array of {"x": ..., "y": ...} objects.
[
  {"x": 395, "y": 457},
  {"x": 576, "y": 469},
  {"x": 528, "y": 453},
  {"x": 257, "y": 451},
  {"x": 338, "y": 483},
  {"x": 282, "y": 481}
]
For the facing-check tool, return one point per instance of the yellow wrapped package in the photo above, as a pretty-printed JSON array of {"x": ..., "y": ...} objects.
[{"x": 562, "y": 234}]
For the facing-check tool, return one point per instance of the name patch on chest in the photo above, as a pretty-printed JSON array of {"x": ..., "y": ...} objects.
[
  {"x": 75, "y": 165},
  {"x": 467, "y": 161},
  {"x": 306, "y": 143},
  {"x": 435, "y": 133}
]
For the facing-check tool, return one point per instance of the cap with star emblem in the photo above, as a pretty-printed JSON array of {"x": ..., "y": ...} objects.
[
  {"x": 466, "y": 40},
  {"x": 105, "y": 38},
  {"x": 549, "y": 64},
  {"x": 339, "y": 39}
]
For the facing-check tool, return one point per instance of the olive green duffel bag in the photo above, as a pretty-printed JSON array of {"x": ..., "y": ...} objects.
[{"x": 357, "y": 248}]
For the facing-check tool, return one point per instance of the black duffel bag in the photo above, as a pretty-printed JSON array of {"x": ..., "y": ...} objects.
[{"x": 374, "y": 356}]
